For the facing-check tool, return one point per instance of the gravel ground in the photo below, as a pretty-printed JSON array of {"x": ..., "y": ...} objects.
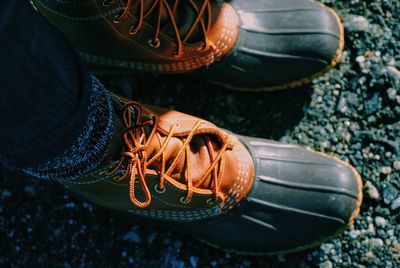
[{"x": 353, "y": 112}]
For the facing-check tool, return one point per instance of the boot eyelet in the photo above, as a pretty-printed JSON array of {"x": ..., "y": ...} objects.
[
  {"x": 183, "y": 200},
  {"x": 177, "y": 55},
  {"x": 107, "y": 3},
  {"x": 132, "y": 30},
  {"x": 154, "y": 43},
  {"x": 211, "y": 201},
  {"x": 158, "y": 190},
  {"x": 117, "y": 19},
  {"x": 202, "y": 48}
]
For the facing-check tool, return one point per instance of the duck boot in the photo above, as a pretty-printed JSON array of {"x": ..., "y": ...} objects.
[
  {"x": 255, "y": 45},
  {"x": 243, "y": 194}
]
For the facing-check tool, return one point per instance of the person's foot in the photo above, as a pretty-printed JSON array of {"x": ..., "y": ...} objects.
[
  {"x": 256, "y": 45},
  {"x": 239, "y": 193},
  {"x": 281, "y": 44}
]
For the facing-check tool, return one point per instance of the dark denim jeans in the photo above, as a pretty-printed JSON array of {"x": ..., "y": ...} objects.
[{"x": 44, "y": 88}]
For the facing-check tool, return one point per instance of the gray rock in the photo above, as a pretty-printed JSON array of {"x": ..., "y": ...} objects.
[
  {"x": 327, "y": 248},
  {"x": 281, "y": 258},
  {"x": 371, "y": 229},
  {"x": 386, "y": 170},
  {"x": 395, "y": 204},
  {"x": 389, "y": 192},
  {"x": 371, "y": 190},
  {"x": 376, "y": 30},
  {"x": 369, "y": 255},
  {"x": 376, "y": 242},
  {"x": 5, "y": 194},
  {"x": 392, "y": 94},
  {"x": 380, "y": 222},
  {"x": 194, "y": 260},
  {"x": 348, "y": 101},
  {"x": 373, "y": 243},
  {"x": 354, "y": 233},
  {"x": 390, "y": 233},
  {"x": 131, "y": 237},
  {"x": 373, "y": 105},
  {"x": 360, "y": 59},
  {"x": 355, "y": 23},
  {"x": 30, "y": 190},
  {"x": 396, "y": 165},
  {"x": 326, "y": 264},
  {"x": 393, "y": 72}
]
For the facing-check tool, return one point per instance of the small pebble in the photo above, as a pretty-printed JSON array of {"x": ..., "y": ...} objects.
[
  {"x": 281, "y": 258},
  {"x": 360, "y": 59},
  {"x": 5, "y": 194},
  {"x": 194, "y": 261},
  {"x": 369, "y": 255},
  {"x": 326, "y": 264},
  {"x": 386, "y": 170},
  {"x": 393, "y": 72},
  {"x": 389, "y": 192},
  {"x": 374, "y": 243},
  {"x": 354, "y": 233},
  {"x": 392, "y": 94},
  {"x": 395, "y": 204},
  {"x": 396, "y": 165},
  {"x": 371, "y": 190},
  {"x": 131, "y": 237},
  {"x": 371, "y": 229},
  {"x": 373, "y": 104},
  {"x": 347, "y": 101},
  {"x": 357, "y": 23},
  {"x": 30, "y": 190},
  {"x": 380, "y": 222}
]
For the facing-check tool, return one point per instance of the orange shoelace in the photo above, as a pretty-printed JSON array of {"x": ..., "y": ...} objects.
[
  {"x": 135, "y": 159},
  {"x": 163, "y": 5}
]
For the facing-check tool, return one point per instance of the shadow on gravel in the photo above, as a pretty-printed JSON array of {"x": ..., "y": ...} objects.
[{"x": 268, "y": 115}]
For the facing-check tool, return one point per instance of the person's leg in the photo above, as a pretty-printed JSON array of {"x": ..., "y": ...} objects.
[{"x": 56, "y": 119}]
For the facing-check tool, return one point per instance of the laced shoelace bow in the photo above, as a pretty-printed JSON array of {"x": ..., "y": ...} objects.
[
  {"x": 135, "y": 159},
  {"x": 170, "y": 11}
]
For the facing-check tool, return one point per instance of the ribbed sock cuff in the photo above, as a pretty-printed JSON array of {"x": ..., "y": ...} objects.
[{"x": 90, "y": 147}]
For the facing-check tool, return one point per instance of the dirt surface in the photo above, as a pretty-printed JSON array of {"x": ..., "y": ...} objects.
[{"x": 353, "y": 112}]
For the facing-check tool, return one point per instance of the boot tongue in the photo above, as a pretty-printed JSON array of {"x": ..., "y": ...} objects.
[
  {"x": 184, "y": 17},
  {"x": 200, "y": 159}
]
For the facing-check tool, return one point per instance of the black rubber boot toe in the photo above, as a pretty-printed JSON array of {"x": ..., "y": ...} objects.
[
  {"x": 281, "y": 44},
  {"x": 299, "y": 199}
]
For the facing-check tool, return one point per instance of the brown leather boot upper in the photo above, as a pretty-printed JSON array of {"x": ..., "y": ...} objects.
[
  {"x": 152, "y": 35},
  {"x": 171, "y": 166}
]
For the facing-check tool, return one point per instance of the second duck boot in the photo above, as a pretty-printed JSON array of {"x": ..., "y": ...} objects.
[
  {"x": 255, "y": 45},
  {"x": 243, "y": 194}
]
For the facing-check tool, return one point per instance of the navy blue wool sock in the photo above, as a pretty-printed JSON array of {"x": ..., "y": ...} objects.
[{"x": 90, "y": 147}]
